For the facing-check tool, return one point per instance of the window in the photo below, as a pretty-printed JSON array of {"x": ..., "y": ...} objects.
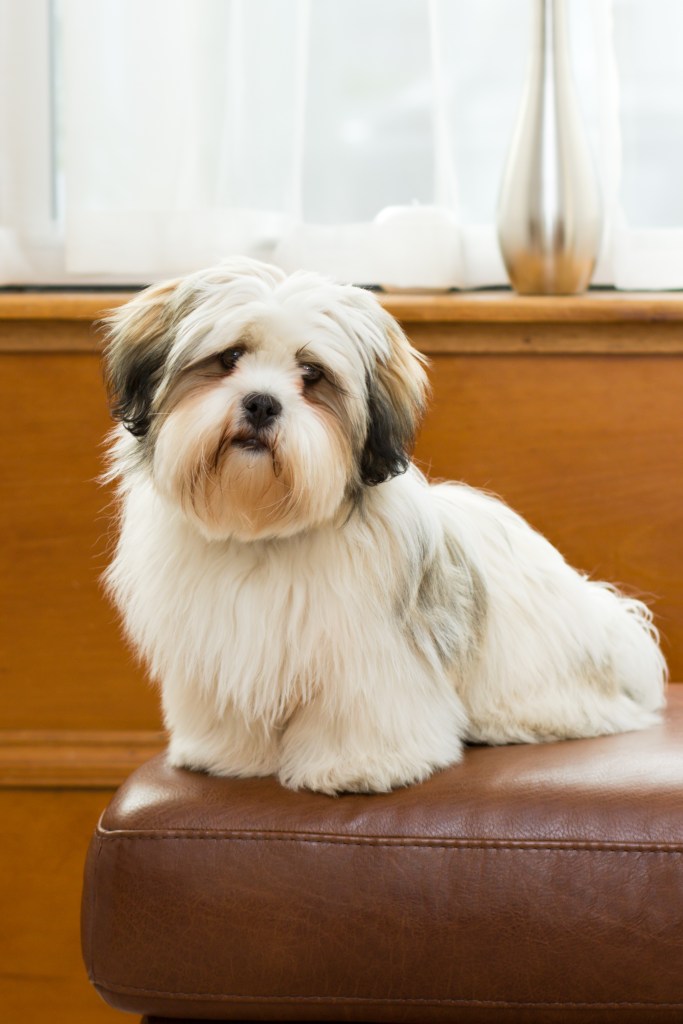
[{"x": 142, "y": 138}]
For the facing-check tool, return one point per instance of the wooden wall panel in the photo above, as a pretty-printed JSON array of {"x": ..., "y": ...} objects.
[
  {"x": 63, "y": 662},
  {"x": 43, "y": 838},
  {"x": 588, "y": 447},
  {"x": 535, "y": 400}
]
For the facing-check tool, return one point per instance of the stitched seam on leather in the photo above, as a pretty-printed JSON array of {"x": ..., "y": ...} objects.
[
  {"x": 454, "y": 844},
  {"x": 341, "y": 1000}
]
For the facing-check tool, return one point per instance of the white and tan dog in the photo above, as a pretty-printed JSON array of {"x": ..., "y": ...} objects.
[{"x": 311, "y": 606}]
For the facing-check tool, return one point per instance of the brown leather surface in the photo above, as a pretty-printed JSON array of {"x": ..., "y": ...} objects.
[{"x": 527, "y": 884}]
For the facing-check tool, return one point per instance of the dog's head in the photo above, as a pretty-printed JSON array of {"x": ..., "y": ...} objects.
[{"x": 261, "y": 403}]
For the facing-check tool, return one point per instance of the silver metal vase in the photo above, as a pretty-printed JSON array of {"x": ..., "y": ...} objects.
[{"x": 549, "y": 211}]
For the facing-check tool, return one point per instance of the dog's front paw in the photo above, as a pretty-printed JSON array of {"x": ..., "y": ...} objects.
[
  {"x": 360, "y": 751},
  {"x": 363, "y": 775},
  {"x": 230, "y": 761}
]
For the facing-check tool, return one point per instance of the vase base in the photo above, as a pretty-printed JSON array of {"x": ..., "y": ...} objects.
[{"x": 562, "y": 274}]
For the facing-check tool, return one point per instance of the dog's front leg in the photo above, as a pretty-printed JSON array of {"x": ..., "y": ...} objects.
[
  {"x": 387, "y": 736},
  {"x": 220, "y": 742}
]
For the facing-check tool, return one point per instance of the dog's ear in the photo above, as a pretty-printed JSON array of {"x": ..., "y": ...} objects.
[
  {"x": 397, "y": 391},
  {"x": 139, "y": 336}
]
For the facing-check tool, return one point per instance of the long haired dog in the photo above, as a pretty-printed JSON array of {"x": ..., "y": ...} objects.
[{"x": 311, "y": 606}]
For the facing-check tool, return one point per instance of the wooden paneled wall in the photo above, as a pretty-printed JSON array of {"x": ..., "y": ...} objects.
[{"x": 569, "y": 409}]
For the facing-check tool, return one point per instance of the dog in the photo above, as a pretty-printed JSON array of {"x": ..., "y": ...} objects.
[{"x": 312, "y": 607}]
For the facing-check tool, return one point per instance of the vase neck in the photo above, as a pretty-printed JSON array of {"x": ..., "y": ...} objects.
[{"x": 550, "y": 39}]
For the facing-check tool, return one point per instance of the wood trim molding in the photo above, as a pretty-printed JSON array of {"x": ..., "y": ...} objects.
[
  {"x": 43, "y": 337},
  {"x": 492, "y": 306},
  {"x": 60, "y": 305},
  {"x": 504, "y": 306},
  {"x": 478, "y": 323},
  {"x": 78, "y": 760},
  {"x": 637, "y": 338}
]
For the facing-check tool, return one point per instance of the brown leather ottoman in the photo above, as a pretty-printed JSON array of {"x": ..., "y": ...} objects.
[{"x": 528, "y": 884}]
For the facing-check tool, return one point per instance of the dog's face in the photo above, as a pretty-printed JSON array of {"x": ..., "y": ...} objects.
[{"x": 261, "y": 404}]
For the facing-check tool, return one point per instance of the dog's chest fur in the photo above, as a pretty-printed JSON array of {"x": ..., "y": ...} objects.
[{"x": 259, "y": 625}]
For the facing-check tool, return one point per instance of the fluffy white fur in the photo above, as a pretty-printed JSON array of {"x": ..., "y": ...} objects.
[{"x": 311, "y": 606}]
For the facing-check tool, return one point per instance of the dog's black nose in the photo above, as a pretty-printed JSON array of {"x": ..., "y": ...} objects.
[{"x": 261, "y": 409}]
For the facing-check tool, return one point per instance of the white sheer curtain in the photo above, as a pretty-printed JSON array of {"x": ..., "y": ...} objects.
[
  {"x": 647, "y": 250},
  {"x": 193, "y": 129},
  {"x": 27, "y": 222},
  {"x": 182, "y": 130}
]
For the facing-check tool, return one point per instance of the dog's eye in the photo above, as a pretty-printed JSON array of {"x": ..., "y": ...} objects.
[
  {"x": 229, "y": 358},
  {"x": 311, "y": 373}
]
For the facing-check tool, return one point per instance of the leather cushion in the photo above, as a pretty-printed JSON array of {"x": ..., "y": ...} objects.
[{"x": 530, "y": 883}]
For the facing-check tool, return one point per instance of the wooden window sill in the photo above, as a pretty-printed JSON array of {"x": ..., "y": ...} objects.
[
  {"x": 459, "y": 322},
  {"x": 496, "y": 306}
]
